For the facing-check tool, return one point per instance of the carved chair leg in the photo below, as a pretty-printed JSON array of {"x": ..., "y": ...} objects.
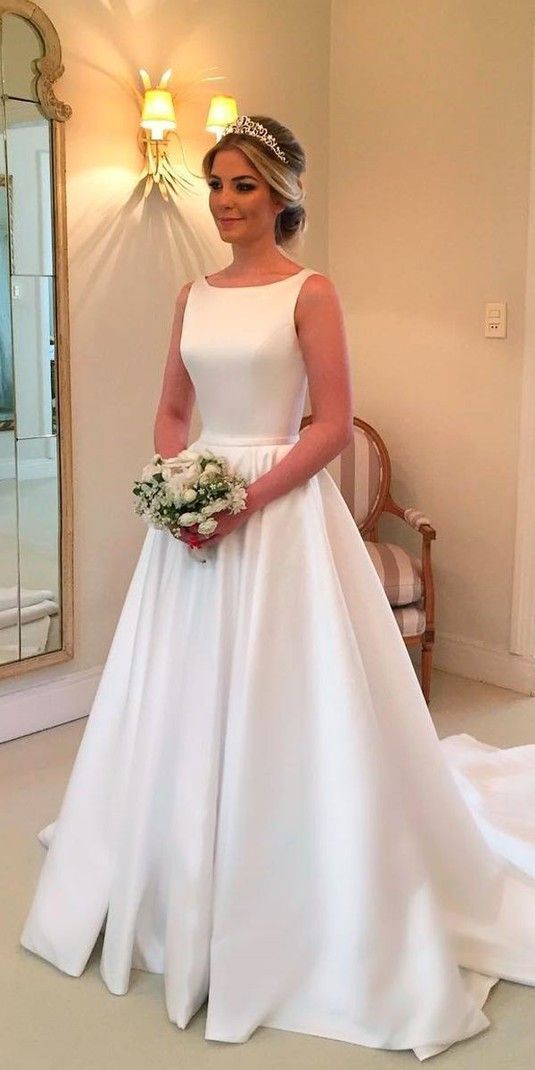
[{"x": 426, "y": 666}]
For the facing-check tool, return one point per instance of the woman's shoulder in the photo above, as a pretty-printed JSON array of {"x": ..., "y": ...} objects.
[
  {"x": 317, "y": 301},
  {"x": 317, "y": 285},
  {"x": 315, "y": 282},
  {"x": 316, "y": 278}
]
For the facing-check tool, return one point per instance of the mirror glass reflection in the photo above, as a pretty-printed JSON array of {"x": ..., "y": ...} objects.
[
  {"x": 21, "y": 44},
  {"x": 30, "y": 618}
]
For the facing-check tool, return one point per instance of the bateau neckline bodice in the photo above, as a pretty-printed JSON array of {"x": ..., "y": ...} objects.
[{"x": 254, "y": 286}]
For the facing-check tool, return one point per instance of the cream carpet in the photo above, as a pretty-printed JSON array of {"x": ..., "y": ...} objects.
[{"x": 49, "y": 1020}]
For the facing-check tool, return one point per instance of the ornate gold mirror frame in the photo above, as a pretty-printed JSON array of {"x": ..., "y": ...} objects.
[{"x": 45, "y": 70}]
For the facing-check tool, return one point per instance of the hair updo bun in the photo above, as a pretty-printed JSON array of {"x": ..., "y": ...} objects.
[
  {"x": 283, "y": 178},
  {"x": 289, "y": 223}
]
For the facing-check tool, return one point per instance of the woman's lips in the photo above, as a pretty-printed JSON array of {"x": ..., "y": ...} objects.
[{"x": 228, "y": 222}]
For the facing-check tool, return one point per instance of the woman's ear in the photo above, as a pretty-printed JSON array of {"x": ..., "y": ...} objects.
[{"x": 276, "y": 202}]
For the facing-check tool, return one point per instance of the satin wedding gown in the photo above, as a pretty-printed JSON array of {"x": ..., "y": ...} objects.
[{"x": 260, "y": 808}]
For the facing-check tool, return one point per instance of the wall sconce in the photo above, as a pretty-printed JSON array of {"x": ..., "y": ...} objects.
[
  {"x": 222, "y": 110},
  {"x": 158, "y": 120}
]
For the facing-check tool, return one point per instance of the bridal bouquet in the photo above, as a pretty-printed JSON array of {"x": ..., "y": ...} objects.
[{"x": 186, "y": 490}]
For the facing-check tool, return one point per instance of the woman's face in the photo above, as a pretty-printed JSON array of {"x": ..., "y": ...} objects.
[{"x": 240, "y": 200}]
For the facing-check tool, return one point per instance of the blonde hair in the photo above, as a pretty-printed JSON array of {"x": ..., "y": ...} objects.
[{"x": 283, "y": 178}]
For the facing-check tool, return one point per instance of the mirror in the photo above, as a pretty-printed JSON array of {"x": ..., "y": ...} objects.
[{"x": 36, "y": 619}]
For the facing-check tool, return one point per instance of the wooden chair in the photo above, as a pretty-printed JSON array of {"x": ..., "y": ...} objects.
[{"x": 364, "y": 478}]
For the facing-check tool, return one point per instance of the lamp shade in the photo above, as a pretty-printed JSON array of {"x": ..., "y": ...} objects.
[
  {"x": 222, "y": 110},
  {"x": 158, "y": 113}
]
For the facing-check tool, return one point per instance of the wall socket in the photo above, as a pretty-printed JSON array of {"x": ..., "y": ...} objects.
[{"x": 496, "y": 319}]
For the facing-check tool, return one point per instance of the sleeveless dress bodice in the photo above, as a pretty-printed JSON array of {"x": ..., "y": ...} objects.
[{"x": 241, "y": 349}]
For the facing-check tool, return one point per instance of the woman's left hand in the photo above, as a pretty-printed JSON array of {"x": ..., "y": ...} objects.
[{"x": 226, "y": 523}]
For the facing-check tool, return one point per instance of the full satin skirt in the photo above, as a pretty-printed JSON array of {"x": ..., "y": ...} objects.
[{"x": 260, "y": 808}]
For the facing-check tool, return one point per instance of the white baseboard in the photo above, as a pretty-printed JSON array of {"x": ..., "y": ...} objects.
[
  {"x": 31, "y": 709},
  {"x": 477, "y": 661}
]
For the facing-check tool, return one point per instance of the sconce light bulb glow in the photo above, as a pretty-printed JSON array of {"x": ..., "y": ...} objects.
[
  {"x": 158, "y": 114},
  {"x": 222, "y": 110}
]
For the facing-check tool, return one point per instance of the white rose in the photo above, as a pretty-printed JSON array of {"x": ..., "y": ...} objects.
[
  {"x": 213, "y": 468},
  {"x": 189, "y": 495},
  {"x": 172, "y": 491},
  {"x": 188, "y": 518},
  {"x": 192, "y": 472}
]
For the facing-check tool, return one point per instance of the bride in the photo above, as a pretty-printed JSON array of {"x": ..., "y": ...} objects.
[{"x": 260, "y": 808}]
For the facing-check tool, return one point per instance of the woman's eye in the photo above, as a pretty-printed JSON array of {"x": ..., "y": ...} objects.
[{"x": 241, "y": 186}]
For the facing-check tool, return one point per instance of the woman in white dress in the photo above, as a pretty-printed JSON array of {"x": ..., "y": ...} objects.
[{"x": 260, "y": 808}]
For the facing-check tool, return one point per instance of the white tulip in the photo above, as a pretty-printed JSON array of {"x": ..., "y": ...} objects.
[{"x": 206, "y": 527}]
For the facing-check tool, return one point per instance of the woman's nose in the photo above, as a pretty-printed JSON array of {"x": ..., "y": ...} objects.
[{"x": 226, "y": 195}]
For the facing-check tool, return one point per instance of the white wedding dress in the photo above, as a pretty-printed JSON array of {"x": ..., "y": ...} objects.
[{"x": 260, "y": 808}]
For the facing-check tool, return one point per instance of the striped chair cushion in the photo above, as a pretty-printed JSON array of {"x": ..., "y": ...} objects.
[
  {"x": 399, "y": 571},
  {"x": 411, "y": 619},
  {"x": 357, "y": 471}
]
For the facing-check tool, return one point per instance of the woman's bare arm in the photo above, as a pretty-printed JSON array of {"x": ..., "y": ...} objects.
[
  {"x": 322, "y": 339},
  {"x": 173, "y": 415}
]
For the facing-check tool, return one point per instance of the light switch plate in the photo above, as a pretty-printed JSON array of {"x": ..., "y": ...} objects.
[{"x": 496, "y": 319}]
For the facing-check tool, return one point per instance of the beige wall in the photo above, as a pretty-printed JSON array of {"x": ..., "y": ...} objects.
[
  {"x": 429, "y": 164},
  {"x": 416, "y": 119}
]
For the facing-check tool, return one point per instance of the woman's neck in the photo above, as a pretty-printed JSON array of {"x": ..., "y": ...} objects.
[{"x": 256, "y": 260}]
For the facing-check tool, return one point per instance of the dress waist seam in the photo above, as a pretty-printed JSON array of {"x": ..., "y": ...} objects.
[{"x": 216, "y": 439}]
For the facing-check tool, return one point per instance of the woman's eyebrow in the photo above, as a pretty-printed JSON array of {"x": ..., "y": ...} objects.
[{"x": 236, "y": 177}]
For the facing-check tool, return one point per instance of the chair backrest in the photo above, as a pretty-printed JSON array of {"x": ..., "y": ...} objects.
[{"x": 362, "y": 471}]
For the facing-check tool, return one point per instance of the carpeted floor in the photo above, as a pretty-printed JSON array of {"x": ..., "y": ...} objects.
[{"x": 49, "y": 1020}]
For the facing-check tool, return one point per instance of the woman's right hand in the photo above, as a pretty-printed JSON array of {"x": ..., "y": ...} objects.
[{"x": 189, "y": 535}]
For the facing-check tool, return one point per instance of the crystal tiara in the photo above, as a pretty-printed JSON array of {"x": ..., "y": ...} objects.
[{"x": 245, "y": 125}]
